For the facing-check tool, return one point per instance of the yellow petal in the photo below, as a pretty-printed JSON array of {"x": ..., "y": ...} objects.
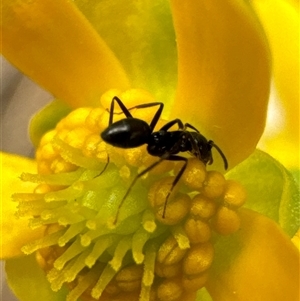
[
  {"x": 296, "y": 240},
  {"x": 52, "y": 42},
  {"x": 266, "y": 267},
  {"x": 280, "y": 19},
  {"x": 223, "y": 73},
  {"x": 141, "y": 35},
  {"x": 15, "y": 233}
]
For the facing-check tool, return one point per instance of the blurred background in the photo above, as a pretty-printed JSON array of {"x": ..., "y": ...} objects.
[
  {"x": 20, "y": 99},
  {"x": 16, "y": 111}
]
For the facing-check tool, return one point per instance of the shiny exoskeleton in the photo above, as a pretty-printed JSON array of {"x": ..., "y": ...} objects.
[{"x": 132, "y": 132}]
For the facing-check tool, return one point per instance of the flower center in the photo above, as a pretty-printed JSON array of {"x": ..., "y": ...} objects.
[{"x": 153, "y": 250}]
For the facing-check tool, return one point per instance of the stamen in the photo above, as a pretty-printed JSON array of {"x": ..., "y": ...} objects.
[
  {"x": 148, "y": 275},
  {"x": 226, "y": 221},
  {"x": 69, "y": 220},
  {"x": 149, "y": 264},
  {"x": 214, "y": 185},
  {"x": 129, "y": 278},
  {"x": 87, "y": 238},
  {"x": 27, "y": 197},
  {"x": 195, "y": 282},
  {"x": 38, "y": 222},
  {"x": 129, "y": 225},
  {"x": 46, "y": 241},
  {"x": 69, "y": 193},
  {"x": 181, "y": 237},
  {"x": 36, "y": 208},
  {"x": 194, "y": 174},
  {"x": 140, "y": 237},
  {"x": 169, "y": 252},
  {"x": 170, "y": 290},
  {"x": 175, "y": 211},
  {"x": 106, "y": 276},
  {"x": 70, "y": 233},
  {"x": 75, "y": 156},
  {"x": 148, "y": 221},
  {"x": 123, "y": 246},
  {"x": 64, "y": 179},
  {"x": 77, "y": 266},
  {"x": 84, "y": 283},
  {"x": 100, "y": 246},
  {"x": 72, "y": 251},
  {"x": 197, "y": 230},
  {"x": 57, "y": 278},
  {"x": 235, "y": 194},
  {"x": 203, "y": 207},
  {"x": 198, "y": 259}
]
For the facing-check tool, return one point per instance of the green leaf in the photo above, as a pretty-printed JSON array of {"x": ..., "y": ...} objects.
[
  {"x": 28, "y": 281},
  {"x": 46, "y": 119},
  {"x": 271, "y": 189}
]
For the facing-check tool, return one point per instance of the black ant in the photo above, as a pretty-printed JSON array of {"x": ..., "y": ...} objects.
[{"x": 132, "y": 132}]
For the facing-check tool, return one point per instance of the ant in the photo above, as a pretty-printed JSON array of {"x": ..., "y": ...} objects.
[{"x": 132, "y": 132}]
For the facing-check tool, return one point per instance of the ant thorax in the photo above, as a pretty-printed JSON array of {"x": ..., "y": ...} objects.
[
  {"x": 163, "y": 142},
  {"x": 200, "y": 148}
]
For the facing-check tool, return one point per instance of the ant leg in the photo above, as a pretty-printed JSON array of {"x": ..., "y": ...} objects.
[
  {"x": 157, "y": 114},
  {"x": 195, "y": 148},
  {"x": 187, "y": 125},
  {"x": 177, "y": 178},
  {"x": 121, "y": 105},
  {"x": 171, "y": 123},
  {"x": 220, "y": 152},
  {"x": 181, "y": 127},
  {"x": 142, "y": 106},
  {"x": 106, "y": 164},
  {"x": 134, "y": 181}
]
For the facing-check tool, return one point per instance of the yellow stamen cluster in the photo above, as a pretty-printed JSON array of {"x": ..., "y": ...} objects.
[{"x": 154, "y": 250}]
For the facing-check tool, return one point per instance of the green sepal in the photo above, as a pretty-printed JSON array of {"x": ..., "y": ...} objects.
[
  {"x": 46, "y": 119},
  {"x": 28, "y": 281},
  {"x": 271, "y": 189}
]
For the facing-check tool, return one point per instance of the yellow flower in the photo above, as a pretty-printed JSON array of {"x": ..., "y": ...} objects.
[{"x": 222, "y": 89}]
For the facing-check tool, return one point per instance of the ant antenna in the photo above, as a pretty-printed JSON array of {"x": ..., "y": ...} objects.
[{"x": 220, "y": 152}]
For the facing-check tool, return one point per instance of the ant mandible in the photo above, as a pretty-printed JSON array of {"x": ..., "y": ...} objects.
[{"x": 132, "y": 132}]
